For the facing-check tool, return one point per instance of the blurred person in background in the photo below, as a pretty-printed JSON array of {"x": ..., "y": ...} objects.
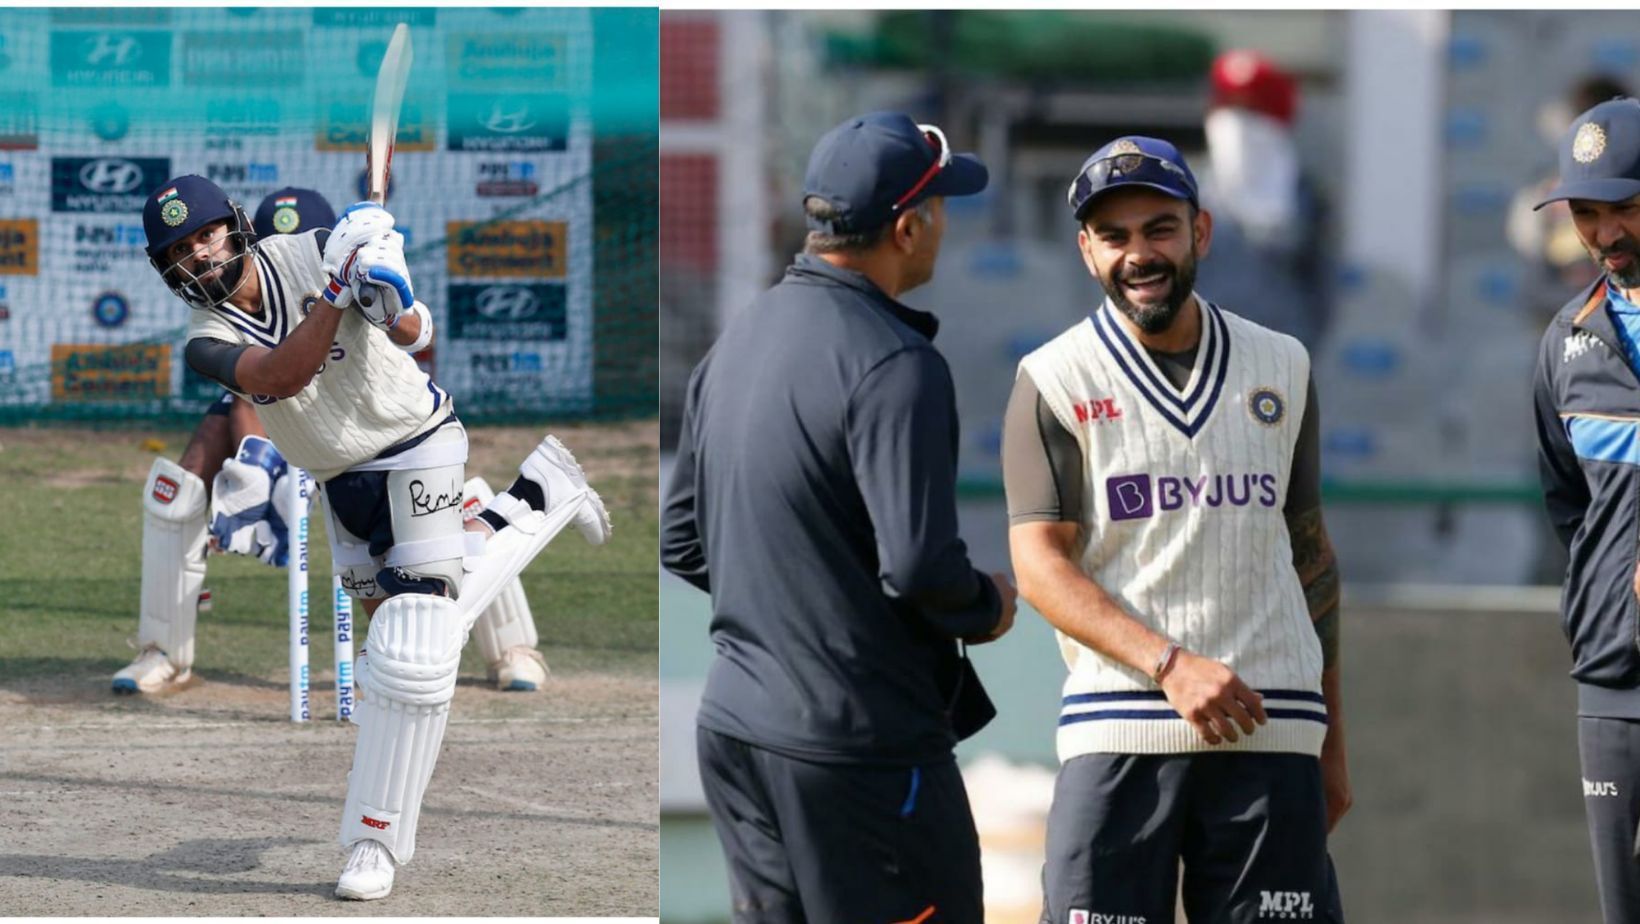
[
  {"x": 222, "y": 490},
  {"x": 1545, "y": 236},
  {"x": 1268, "y": 222}
]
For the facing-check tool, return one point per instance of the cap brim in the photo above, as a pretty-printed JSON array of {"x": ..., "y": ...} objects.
[
  {"x": 963, "y": 176},
  {"x": 1608, "y": 189},
  {"x": 1082, "y": 211}
]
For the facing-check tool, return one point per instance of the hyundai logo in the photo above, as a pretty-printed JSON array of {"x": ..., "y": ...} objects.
[
  {"x": 110, "y": 175},
  {"x": 111, "y": 49},
  {"x": 509, "y": 117},
  {"x": 507, "y": 303}
]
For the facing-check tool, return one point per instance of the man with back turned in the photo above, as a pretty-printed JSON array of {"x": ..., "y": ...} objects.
[{"x": 814, "y": 499}]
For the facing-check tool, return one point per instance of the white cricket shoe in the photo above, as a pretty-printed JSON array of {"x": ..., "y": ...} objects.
[
  {"x": 368, "y": 874},
  {"x": 519, "y": 668},
  {"x": 151, "y": 672},
  {"x": 552, "y": 466}
]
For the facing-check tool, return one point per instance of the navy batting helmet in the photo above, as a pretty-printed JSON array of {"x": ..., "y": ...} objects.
[
  {"x": 292, "y": 210},
  {"x": 176, "y": 212}
]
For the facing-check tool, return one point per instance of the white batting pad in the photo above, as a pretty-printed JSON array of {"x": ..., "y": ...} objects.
[
  {"x": 173, "y": 560},
  {"x": 414, "y": 646},
  {"x": 508, "y": 621},
  {"x": 509, "y": 551}
]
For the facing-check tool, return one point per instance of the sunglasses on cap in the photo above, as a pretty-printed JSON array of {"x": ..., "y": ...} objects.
[
  {"x": 1128, "y": 167},
  {"x": 936, "y": 139}
]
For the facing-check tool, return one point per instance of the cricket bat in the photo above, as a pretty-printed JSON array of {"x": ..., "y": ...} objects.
[
  {"x": 384, "y": 111},
  {"x": 384, "y": 118}
]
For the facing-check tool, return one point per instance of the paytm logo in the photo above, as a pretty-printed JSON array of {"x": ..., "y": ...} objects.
[{"x": 1135, "y": 497}]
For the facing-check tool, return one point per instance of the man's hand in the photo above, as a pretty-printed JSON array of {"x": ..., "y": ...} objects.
[
  {"x": 1009, "y": 597},
  {"x": 360, "y": 224},
  {"x": 1335, "y": 779},
  {"x": 381, "y": 280},
  {"x": 1212, "y": 698}
]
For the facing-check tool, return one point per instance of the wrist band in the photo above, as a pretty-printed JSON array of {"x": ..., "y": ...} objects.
[
  {"x": 425, "y": 335},
  {"x": 1164, "y": 662}
]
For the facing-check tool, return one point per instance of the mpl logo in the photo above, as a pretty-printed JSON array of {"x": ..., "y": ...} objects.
[
  {"x": 1136, "y": 497},
  {"x": 1098, "y": 410},
  {"x": 507, "y": 303},
  {"x": 1285, "y": 905}
]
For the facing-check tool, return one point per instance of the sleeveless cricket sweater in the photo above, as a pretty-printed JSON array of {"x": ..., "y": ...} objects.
[
  {"x": 1183, "y": 526},
  {"x": 369, "y": 394}
]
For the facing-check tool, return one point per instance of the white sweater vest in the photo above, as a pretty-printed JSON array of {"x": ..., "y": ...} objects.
[
  {"x": 1183, "y": 526},
  {"x": 368, "y": 395}
]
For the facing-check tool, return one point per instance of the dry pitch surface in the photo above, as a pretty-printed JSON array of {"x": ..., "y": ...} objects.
[{"x": 207, "y": 801}]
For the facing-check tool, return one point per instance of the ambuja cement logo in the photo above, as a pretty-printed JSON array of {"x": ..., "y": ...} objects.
[
  {"x": 1135, "y": 497},
  {"x": 1285, "y": 906}
]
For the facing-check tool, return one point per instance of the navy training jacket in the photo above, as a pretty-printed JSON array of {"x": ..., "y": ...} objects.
[{"x": 1586, "y": 401}]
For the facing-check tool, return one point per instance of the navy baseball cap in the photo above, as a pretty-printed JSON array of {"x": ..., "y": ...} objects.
[
  {"x": 1600, "y": 155},
  {"x": 292, "y": 210},
  {"x": 872, "y": 167},
  {"x": 1132, "y": 160},
  {"x": 179, "y": 208}
]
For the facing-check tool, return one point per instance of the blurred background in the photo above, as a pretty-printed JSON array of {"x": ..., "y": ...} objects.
[
  {"x": 523, "y": 180},
  {"x": 1370, "y": 175}
]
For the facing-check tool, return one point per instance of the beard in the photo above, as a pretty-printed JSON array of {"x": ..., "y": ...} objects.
[
  {"x": 1154, "y": 317},
  {"x": 225, "y": 283},
  {"x": 1629, "y": 276}
]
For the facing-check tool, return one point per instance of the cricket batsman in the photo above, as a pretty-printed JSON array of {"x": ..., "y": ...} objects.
[
  {"x": 239, "y": 512},
  {"x": 317, "y": 331}
]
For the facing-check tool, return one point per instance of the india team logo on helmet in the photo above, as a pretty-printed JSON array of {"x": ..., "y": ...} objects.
[
  {"x": 1266, "y": 406},
  {"x": 172, "y": 210},
  {"x": 285, "y": 217},
  {"x": 1589, "y": 143}
]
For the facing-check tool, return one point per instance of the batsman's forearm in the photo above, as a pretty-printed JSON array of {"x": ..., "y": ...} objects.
[
  {"x": 407, "y": 329},
  {"x": 290, "y": 366}
]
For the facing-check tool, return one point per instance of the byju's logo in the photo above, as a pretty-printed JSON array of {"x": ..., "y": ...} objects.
[
  {"x": 1285, "y": 906},
  {"x": 1130, "y": 497},
  {"x": 1599, "y": 788}
]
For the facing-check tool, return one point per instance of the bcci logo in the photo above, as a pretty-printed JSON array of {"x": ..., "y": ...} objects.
[
  {"x": 1266, "y": 406},
  {"x": 1589, "y": 143}
]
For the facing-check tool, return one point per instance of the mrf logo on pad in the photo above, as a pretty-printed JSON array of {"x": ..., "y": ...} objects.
[
  {"x": 375, "y": 823},
  {"x": 165, "y": 490}
]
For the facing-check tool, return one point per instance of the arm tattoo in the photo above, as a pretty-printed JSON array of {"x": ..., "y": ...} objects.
[{"x": 1317, "y": 569}]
